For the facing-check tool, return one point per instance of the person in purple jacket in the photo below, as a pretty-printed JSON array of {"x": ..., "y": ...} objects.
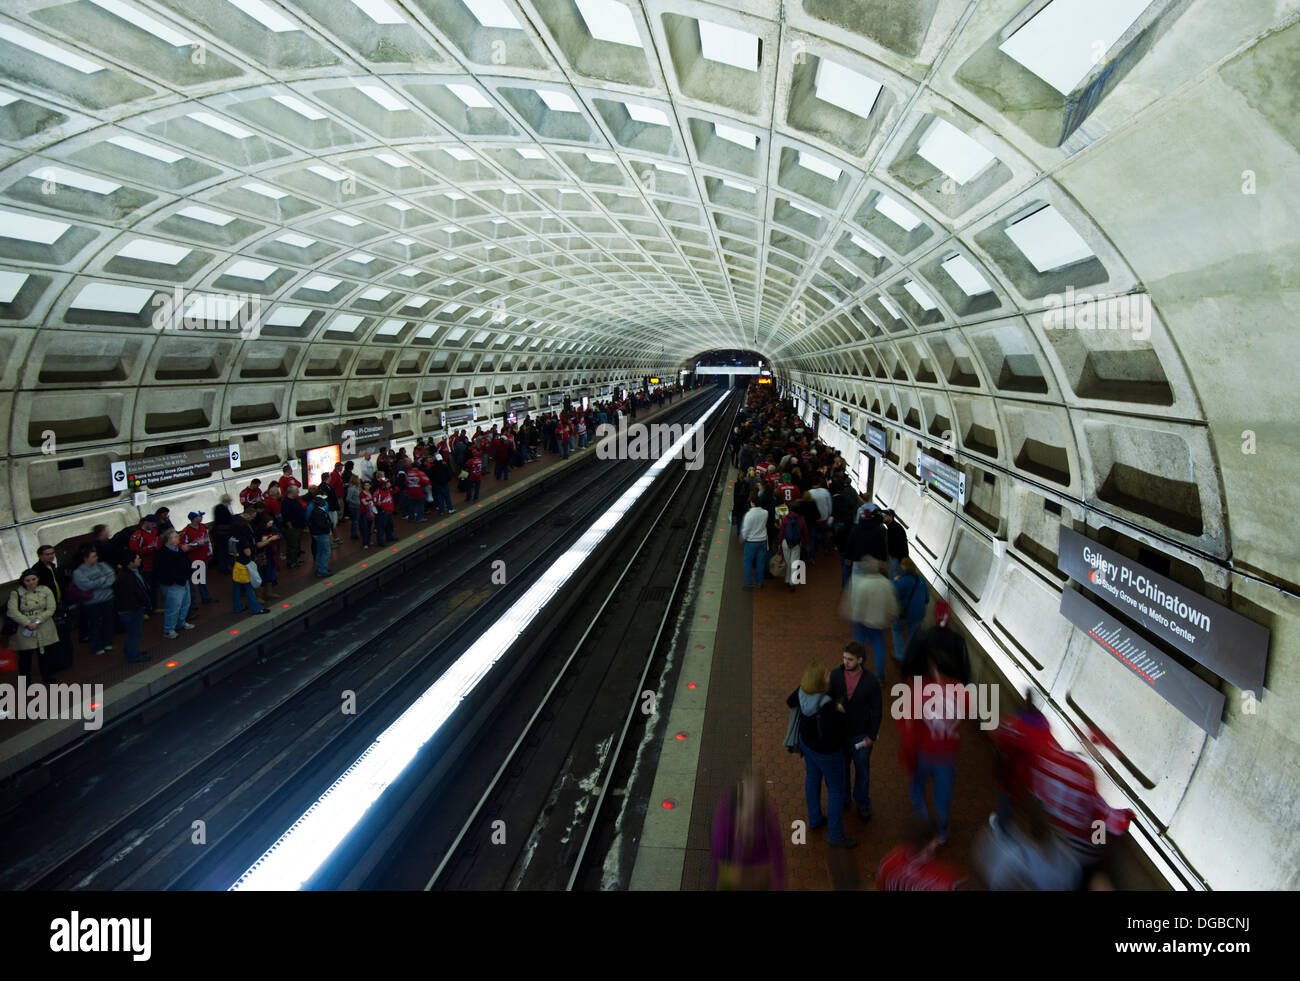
[{"x": 748, "y": 849}]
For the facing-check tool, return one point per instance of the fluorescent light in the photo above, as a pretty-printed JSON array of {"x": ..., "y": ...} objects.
[
  {"x": 871, "y": 316},
  {"x": 799, "y": 207},
  {"x": 266, "y": 15},
  {"x": 390, "y": 327},
  {"x": 10, "y": 284},
  {"x": 375, "y": 294},
  {"x": 595, "y": 157},
  {"x": 738, "y": 136},
  {"x": 453, "y": 195},
  {"x": 896, "y": 213},
  {"x": 419, "y": 301},
  {"x": 728, "y": 46},
  {"x": 382, "y": 97},
  {"x": 817, "y": 165},
  {"x": 380, "y": 12},
  {"x": 451, "y": 308},
  {"x": 348, "y": 220},
  {"x": 300, "y": 107},
  {"x": 294, "y": 239},
  {"x": 965, "y": 275},
  {"x": 213, "y": 308},
  {"x": 844, "y": 88},
  {"x": 393, "y": 160},
  {"x": 865, "y": 246},
  {"x": 310, "y": 840},
  {"x": 265, "y": 191},
  {"x": 7, "y": 98},
  {"x": 321, "y": 284},
  {"x": 609, "y": 21},
  {"x": 530, "y": 152},
  {"x": 329, "y": 173},
  {"x": 557, "y": 101},
  {"x": 493, "y": 13},
  {"x": 468, "y": 94},
  {"x": 398, "y": 205},
  {"x": 71, "y": 178},
  {"x": 1060, "y": 43},
  {"x": 138, "y": 18},
  {"x": 890, "y": 305},
  {"x": 920, "y": 295},
  {"x": 405, "y": 240},
  {"x": 111, "y": 298},
  {"x": 248, "y": 269},
  {"x": 953, "y": 152},
  {"x": 39, "y": 46},
  {"x": 1048, "y": 240},
  {"x": 669, "y": 168},
  {"x": 136, "y": 145},
  {"x": 148, "y": 251},
  {"x": 364, "y": 258},
  {"x": 410, "y": 272},
  {"x": 457, "y": 153},
  {"x": 206, "y": 215},
  {"x": 647, "y": 114},
  {"x": 727, "y": 181}
]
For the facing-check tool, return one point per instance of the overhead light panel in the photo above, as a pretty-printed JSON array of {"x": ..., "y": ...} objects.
[
  {"x": 953, "y": 152},
  {"x": 206, "y": 215},
  {"x": 493, "y": 13},
  {"x": 1048, "y": 241},
  {"x": 738, "y": 136},
  {"x": 965, "y": 275},
  {"x": 468, "y": 94},
  {"x": 530, "y": 152},
  {"x": 458, "y": 153},
  {"x": 296, "y": 240},
  {"x": 896, "y": 213},
  {"x": 329, "y": 173},
  {"x": 557, "y": 101},
  {"x": 10, "y": 284},
  {"x": 920, "y": 295},
  {"x": 346, "y": 323},
  {"x": 364, "y": 258},
  {"x": 145, "y": 250},
  {"x": 375, "y": 294},
  {"x": 818, "y": 166},
  {"x": 39, "y": 46},
  {"x": 138, "y": 18},
  {"x": 608, "y": 20},
  {"x": 300, "y": 107},
  {"x": 845, "y": 89},
  {"x": 647, "y": 114},
  {"x": 136, "y": 145},
  {"x": 1059, "y": 44},
  {"x": 248, "y": 269},
  {"x": 266, "y": 15},
  {"x": 865, "y": 246},
  {"x": 321, "y": 284},
  {"x": 393, "y": 160},
  {"x": 348, "y": 220},
  {"x": 382, "y": 97},
  {"x": 221, "y": 125},
  {"x": 70, "y": 178},
  {"x": 890, "y": 305},
  {"x": 379, "y": 11},
  {"x": 112, "y": 298},
  {"x": 728, "y": 46},
  {"x": 256, "y": 187}
]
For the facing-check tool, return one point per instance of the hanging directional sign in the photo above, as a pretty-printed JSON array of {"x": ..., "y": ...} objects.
[
  {"x": 458, "y": 417},
  {"x": 365, "y": 437},
  {"x": 172, "y": 468},
  {"x": 845, "y": 420},
  {"x": 937, "y": 474},
  {"x": 1166, "y": 677},
  {"x": 876, "y": 439}
]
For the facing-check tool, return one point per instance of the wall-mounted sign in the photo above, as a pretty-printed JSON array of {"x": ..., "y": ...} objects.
[
  {"x": 937, "y": 474},
  {"x": 516, "y": 405},
  {"x": 765, "y": 381},
  {"x": 1233, "y": 647},
  {"x": 654, "y": 381},
  {"x": 876, "y": 439},
  {"x": 584, "y": 393},
  {"x": 826, "y": 410},
  {"x": 173, "y": 468},
  {"x": 845, "y": 420},
  {"x": 605, "y": 389},
  {"x": 368, "y": 437},
  {"x": 1167, "y": 678},
  {"x": 458, "y": 417},
  {"x": 555, "y": 400}
]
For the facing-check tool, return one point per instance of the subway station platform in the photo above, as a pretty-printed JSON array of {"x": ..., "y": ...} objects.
[{"x": 221, "y": 635}]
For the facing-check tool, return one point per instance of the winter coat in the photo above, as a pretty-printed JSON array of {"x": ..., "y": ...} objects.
[
  {"x": 870, "y": 600},
  {"x": 26, "y": 605},
  {"x": 96, "y": 579}
]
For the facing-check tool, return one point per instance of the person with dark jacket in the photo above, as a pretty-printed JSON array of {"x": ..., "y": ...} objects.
[
  {"x": 740, "y": 499},
  {"x": 440, "y": 475},
  {"x": 943, "y": 644},
  {"x": 895, "y": 542},
  {"x": 220, "y": 528},
  {"x": 172, "y": 571},
  {"x": 132, "y": 596},
  {"x": 822, "y": 731},
  {"x": 858, "y": 691},
  {"x": 867, "y": 540},
  {"x": 56, "y": 581},
  {"x": 294, "y": 514},
  {"x": 241, "y": 534}
]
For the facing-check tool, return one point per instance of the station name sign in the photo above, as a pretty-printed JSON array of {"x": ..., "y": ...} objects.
[
  {"x": 1167, "y": 678},
  {"x": 516, "y": 405},
  {"x": 365, "y": 437},
  {"x": 554, "y": 399},
  {"x": 605, "y": 389},
  {"x": 876, "y": 438},
  {"x": 173, "y": 468},
  {"x": 936, "y": 473},
  {"x": 1233, "y": 647},
  {"x": 458, "y": 417}
]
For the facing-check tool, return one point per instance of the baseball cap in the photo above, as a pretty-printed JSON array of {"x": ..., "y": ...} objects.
[
  {"x": 195, "y": 514},
  {"x": 150, "y": 517},
  {"x": 942, "y": 613},
  {"x": 865, "y": 510}
]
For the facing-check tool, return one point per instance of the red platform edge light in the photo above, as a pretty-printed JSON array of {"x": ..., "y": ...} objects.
[
  {"x": 669, "y": 803},
  {"x": 691, "y": 685},
  {"x": 173, "y": 664},
  {"x": 681, "y": 736}
]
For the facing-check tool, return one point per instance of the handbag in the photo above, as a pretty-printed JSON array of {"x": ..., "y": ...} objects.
[
  {"x": 792, "y": 732},
  {"x": 8, "y": 660},
  {"x": 777, "y": 566},
  {"x": 240, "y": 573},
  {"x": 254, "y": 576}
]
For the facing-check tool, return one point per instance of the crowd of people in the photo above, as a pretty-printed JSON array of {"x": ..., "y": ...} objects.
[
  {"x": 793, "y": 502},
  {"x": 159, "y": 567}
]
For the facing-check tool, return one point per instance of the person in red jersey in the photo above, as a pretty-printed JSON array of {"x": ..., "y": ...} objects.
[
  {"x": 787, "y": 492},
  {"x": 1019, "y": 740},
  {"x": 252, "y": 494},
  {"x": 384, "y": 508},
  {"x": 929, "y": 739},
  {"x": 196, "y": 543},
  {"x": 1067, "y": 788},
  {"x": 913, "y": 866},
  {"x": 288, "y": 480},
  {"x": 475, "y": 481},
  {"x": 416, "y": 482},
  {"x": 144, "y": 542}
]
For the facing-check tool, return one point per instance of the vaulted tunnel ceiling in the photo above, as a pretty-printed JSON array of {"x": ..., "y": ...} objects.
[{"x": 413, "y": 202}]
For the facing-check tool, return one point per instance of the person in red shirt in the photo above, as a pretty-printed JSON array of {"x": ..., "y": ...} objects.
[
  {"x": 252, "y": 493},
  {"x": 416, "y": 481},
  {"x": 1067, "y": 788},
  {"x": 913, "y": 867},
  {"x": 929, "y": 739},
  {"x": 502, "y": 447},
  {"x": 336, "y": 481},
  {"x": 287, "y": 481},
  {"x": 196, "y": 543},
  {"x": 384, "y": 508},
  {"x": 365, "y": 512},
  {"x": 144, "y": 541},
  {"x": 475, "y": 467},
  {"x": 1019, "y": 740},
  {"x": 272, "y": 501},
  {"x": 787, "y": 492}
]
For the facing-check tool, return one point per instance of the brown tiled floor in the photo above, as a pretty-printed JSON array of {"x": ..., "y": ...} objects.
[
  {"x": 213, "y": 618},
  {"x": 789, "y": 630}
]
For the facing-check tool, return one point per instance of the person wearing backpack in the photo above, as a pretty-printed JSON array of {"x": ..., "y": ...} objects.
[
  {"x": 822, "y": 731},
  {"x": 913, "y": 598},
  {"x": 319, "y": 527},
  {"x": 793, "y": 535}
]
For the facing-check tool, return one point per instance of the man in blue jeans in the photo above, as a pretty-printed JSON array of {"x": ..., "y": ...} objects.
[
  {"x": 318, "y": 524},
  {"x": 822, "y": 729},
  {"x": 858, "y": 690},
  {"x": 753, "y": 529},
  {"x": 913, "y": 597}
]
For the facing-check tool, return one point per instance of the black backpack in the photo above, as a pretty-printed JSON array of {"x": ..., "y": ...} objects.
[
  {"x": 318, "y": 523},
  {"x": 793, "y": 534}
]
